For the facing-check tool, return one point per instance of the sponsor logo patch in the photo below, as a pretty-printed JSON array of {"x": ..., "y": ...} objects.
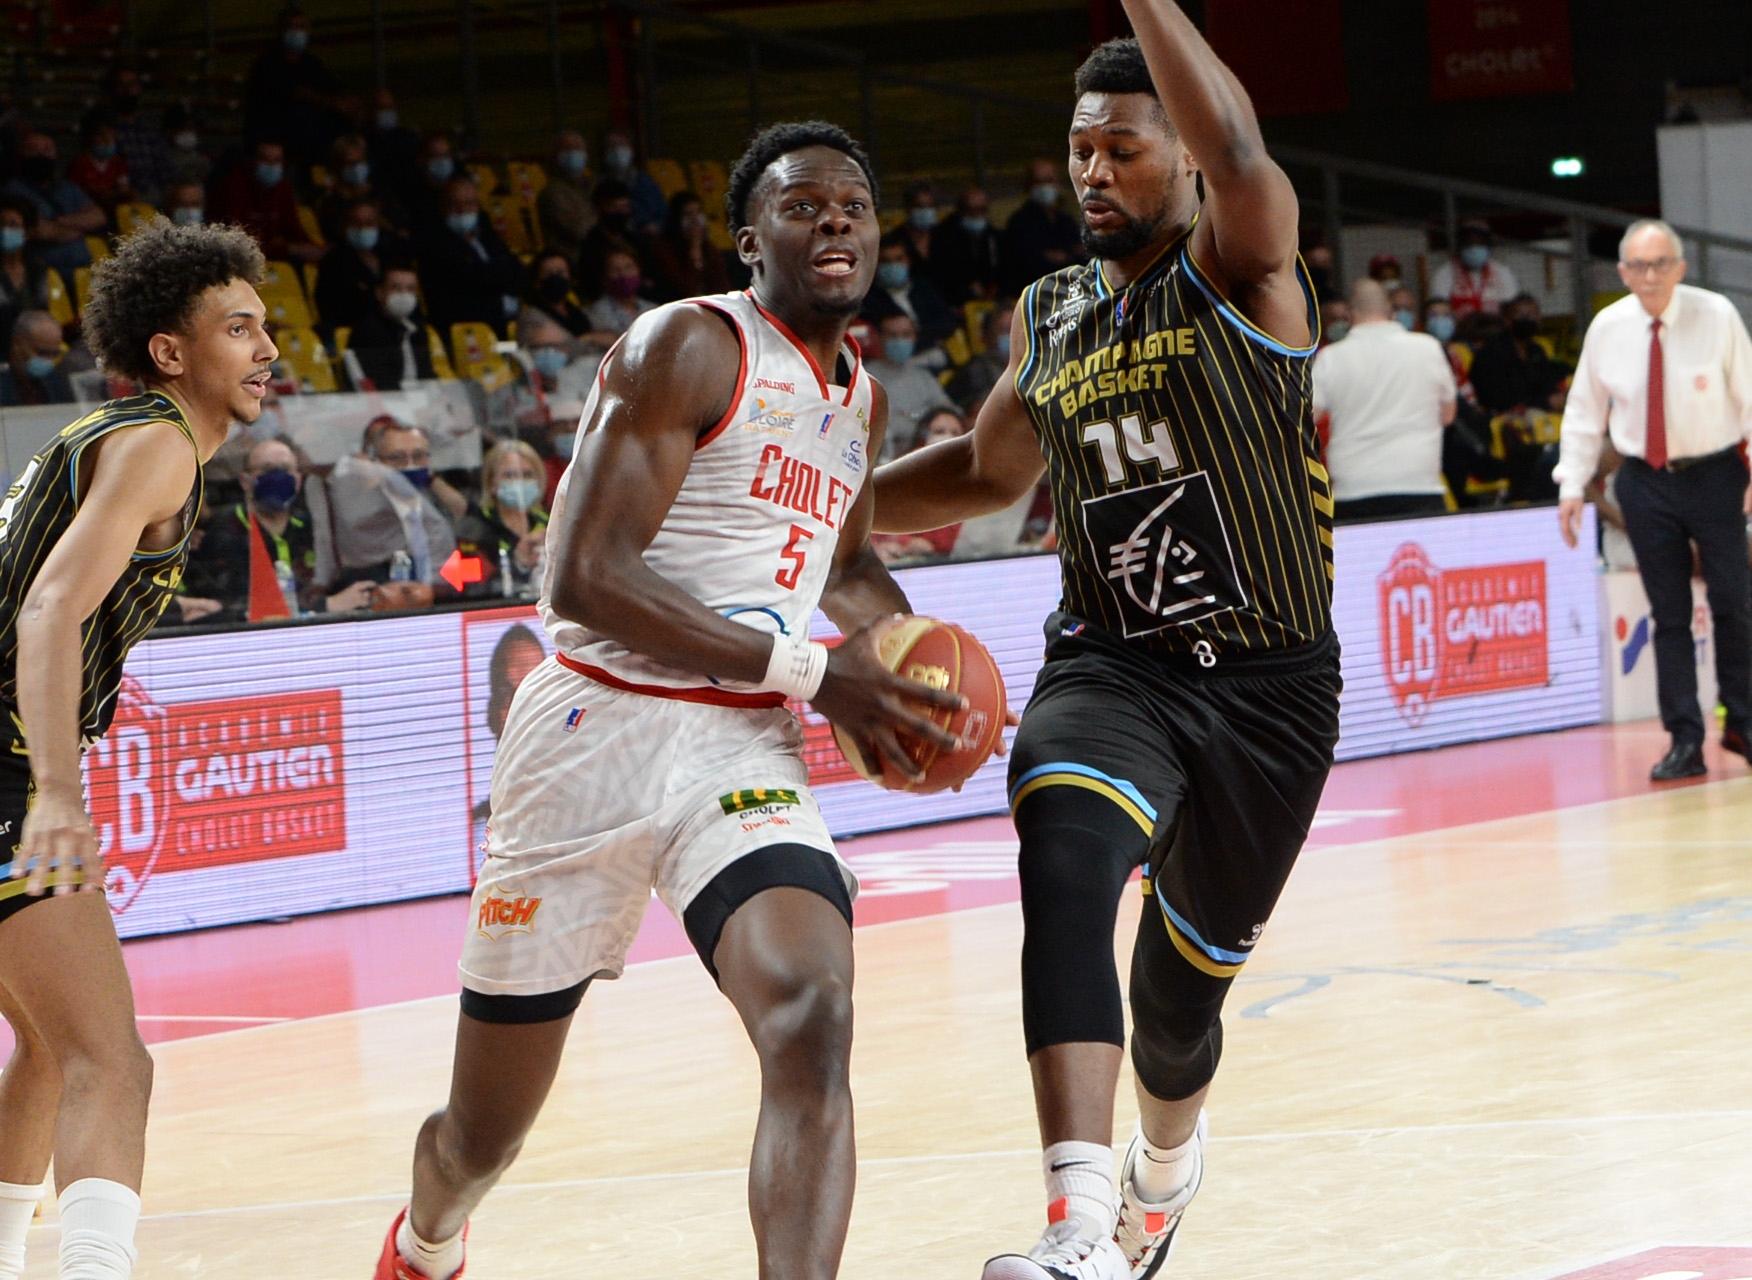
[
  {"x": 573, "y": 717},
  {"x": 789, "y": 388},
  {"x": 506, "y": 915},
  {"x": 772, "y": 422},
  {"x": 853, "y": 456},
  {"x": 757, "y": 798}
]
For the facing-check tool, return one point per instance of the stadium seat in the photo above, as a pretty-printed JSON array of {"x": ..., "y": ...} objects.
[
  {"x": 307, "y": 220},
  {"x": 667, "y": 174},
  {"x": 710, "y": 182},
  {"x": 288, "y": 310},
  {"x": 343, "y": 336},
  {"x": 280, "y": 277},
  {"x": 301, "y": 351},
  {"x": 320, "y": 177},
  {"x": 98, "y": 247},
  {"x": 973, "y": 318},
  {"x": 81, "y": 287},
  {"x": 309, "y": 273},
  {"x": 471, "y": 343},
  {"x": 509, "y": 217},
  {"x": 133, "y": 214},
  {"x": 440, "y": 357},
  {"x": 526, "y": 180},
  {"x": 60, "y": 305},
  {"x": 958, "y": 349},
  {"x": 486, "y": 180}
]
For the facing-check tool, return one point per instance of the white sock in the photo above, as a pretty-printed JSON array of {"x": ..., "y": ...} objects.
[
  {"x": 17, "y": 1207},
  {"x": 98, "y": 1218},
  {"x": 436, "y": 1261},
  {"x": 1079, "y": 1184},
  {"x": 1161, "y": 1173}
]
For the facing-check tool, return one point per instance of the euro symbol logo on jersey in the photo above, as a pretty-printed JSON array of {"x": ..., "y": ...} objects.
[{"x": 1131, "y": 561}]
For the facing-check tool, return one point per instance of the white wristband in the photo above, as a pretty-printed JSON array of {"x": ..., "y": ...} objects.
[{"x": 796, "y": 667}]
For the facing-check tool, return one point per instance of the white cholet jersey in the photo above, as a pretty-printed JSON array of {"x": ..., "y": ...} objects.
[{"x": 752, "y": 532}]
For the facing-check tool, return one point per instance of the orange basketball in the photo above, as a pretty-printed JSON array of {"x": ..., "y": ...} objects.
[{"x": 943, "y": 656}]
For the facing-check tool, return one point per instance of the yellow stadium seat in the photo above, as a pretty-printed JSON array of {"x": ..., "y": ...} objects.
[
  {"x": 308, "y": 271},
  {"x": 81, "y": 287},
  {"x": 60, "y": 305},
  {"x": 307, "y": 220},
  {"x": 485, "y": 179},
  {"x": 973, "y": 317},
  {"x": 507, "y": 215},
  {"x": 135, "y": 214},
  {"x": 343, "y": 336},
  {"x": 98, "y": 247},
  {"x": 301, "y": 351},
  {"x": 471, "y": 343},
  {"x": 667, "y": 174},
  {"x": 710, "y": 182},
  {"x": 440, "y": 357},
  {"x": 956, "y": 347},
  {"x": 280, "y": 277},
  {"x": 526, "y": 180},
  {"x": 288, "y": 310},
  {"x": 321, "y": 177}
]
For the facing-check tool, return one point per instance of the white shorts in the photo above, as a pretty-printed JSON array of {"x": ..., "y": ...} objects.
[{"x": 600, "y": 797}]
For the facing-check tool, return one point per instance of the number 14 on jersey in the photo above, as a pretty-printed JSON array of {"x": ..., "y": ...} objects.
[{"x": 1142, "y": 444}]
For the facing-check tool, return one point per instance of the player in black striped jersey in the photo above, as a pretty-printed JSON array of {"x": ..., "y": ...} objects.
[
  {"x": 1186, "y": 716},
  {"x": 93, "y": 538}
]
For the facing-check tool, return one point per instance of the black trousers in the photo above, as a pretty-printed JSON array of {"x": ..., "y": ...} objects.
[
  {"x": 1384, "y": 505},
  {"x": 1664, "y": 513}
]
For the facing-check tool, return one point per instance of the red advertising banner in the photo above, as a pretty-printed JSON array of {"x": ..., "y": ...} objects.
[
  {"x": 1494, "y": 48},
  {"x": 205, "y": 784},
  {"x": 1288, "y": 54},
  {"x": 1448, "y": 633}
]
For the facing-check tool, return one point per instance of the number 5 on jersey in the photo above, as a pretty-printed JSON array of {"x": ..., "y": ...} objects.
[
  {"x": 1142, "y": 444},
  {"x": 794, "y": 553}
]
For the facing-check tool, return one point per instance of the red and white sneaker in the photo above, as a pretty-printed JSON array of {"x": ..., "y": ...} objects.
[
  {"x": 1061, "y": 1254},
  {"x": 392, "y": 1266},
  {"x": 1145, "y": 1234}
]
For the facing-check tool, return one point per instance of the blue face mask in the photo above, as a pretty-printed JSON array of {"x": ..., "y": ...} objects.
[
  {"x": 893, "y": 275},
  {"x": 388, "y": 118},
  {"x": 975, "y": 226},
  {"x": 356, "y": 175},
  {"x": 462, "y": 223},
  {"x": 573, "y": 161},
  {"x": 439, "y": 168},
  {"x": 11, "y": 239},
  {"x": 103, "y": 151},
  {"x": 899, "y": 350},
  {"x": 187, "y": 216},
  {"x": 1002, "y": 346},
  {"x": 39, "y": 367},
  {"x": 923, "y": 219},
  {"x": 549, "y": 361},
  {"x": 518, "y": 495},
  {"x": 620, "y": 159},
  {"x": 363, "y": 238},
  {"x": 1474, "y": 256},
  {"x": 1046, "y": 194},
  {"x": 1407, "y": 319},
  {"x": 565, "y": 443},
  {"x": 1336, "y": 331},
  {"x": 274, "y": 490},
  {"x": 296, "y": 40},
  {"x": 419, "y": 477},
  {"x": 269, "y": 175},
  {"x": 1441, "y": 328}
]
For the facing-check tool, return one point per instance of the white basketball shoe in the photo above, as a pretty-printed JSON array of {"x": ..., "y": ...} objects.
[
  {"x": 1145, "y": 1234},
  {"x": 1061, "y": 1254}
]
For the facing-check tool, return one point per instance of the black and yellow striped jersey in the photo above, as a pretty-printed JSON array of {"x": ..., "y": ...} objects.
[
  {"x": 1194, "y": 516},
  {"x": 35, "y": 513}
]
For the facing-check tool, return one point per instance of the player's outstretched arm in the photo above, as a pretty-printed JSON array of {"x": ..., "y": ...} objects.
[
  {"x": 141, "y": 477},
  {"x": 1247, "y": 240},
  {"x": 631, "y": 463},
  {"x": 972, "y": 475}
]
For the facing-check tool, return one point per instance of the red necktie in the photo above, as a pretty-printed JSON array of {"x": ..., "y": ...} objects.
[{"x": 1655, "y": 448}]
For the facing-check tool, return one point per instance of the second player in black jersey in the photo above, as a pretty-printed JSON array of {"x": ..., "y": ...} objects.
[{"x": 1186, "y": 716}]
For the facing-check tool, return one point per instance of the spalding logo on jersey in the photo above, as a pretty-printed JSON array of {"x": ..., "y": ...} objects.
[{"x": 1159, "y": 568}]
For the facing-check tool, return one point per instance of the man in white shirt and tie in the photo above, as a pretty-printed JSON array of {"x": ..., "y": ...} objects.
[{"x": 1668, "y": 371}]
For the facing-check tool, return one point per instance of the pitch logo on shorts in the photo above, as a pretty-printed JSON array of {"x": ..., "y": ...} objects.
[
  {"x": 498, "y": 917},
  {"x": 1448, "y": 633}
]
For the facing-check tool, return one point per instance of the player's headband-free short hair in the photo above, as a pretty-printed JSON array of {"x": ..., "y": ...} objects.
[{"x": 779, "y": 140}]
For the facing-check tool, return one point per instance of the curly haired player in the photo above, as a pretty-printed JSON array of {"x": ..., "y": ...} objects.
[{"x": 93, "y": 538}]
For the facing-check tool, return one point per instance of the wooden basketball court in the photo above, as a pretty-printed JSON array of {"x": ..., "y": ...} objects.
[{"x": 1512, "y": 1049}]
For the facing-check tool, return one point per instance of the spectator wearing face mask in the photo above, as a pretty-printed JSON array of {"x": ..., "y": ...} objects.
[
  {"x": 901, "y": 291},
  {"x": 1470, "y": 281},
  {"x": 1040, "y": 236},
  {"x": 939, "y": 425},
  {"x": 1404, "y": 303},
  {"x": 186, "y": 204},
  {"x": 258, "y": 197},
  {"x": 974, "y": 381},
  {"x": 1335, "y": 321},
  {"x": 389, "y": 343},
  {"x": 564, "y": 207},
  {"x": 507, "y": 529},
  {"x": 24, "y": 280},
  {"x": 384, "y": 501},
  {"x": 393, "y": 148},
  {"x": 465, "y": 268},
  {"x": 918, "y": 233},
  {"x": 33, "y": 374},
  {"x": 551, "y": 290},
  {"x": 620, "y": 303},
  {"x": 966, "y": 261},
  {"x": 436, "y": 166},
  {"x": 613, "y": 201},
  {"x": 291, "y": 95},
  {"x": 563, "y": 371},
  {"x": 140, "y": 145},
  {"x": 649, "y": 208},
  {"x": 185, "y": 162},
  {"x": 1512, "y": 371},
  {"x": 350, "y": 167},
  {"x": 225, "y": 566},
  {"x": 684, "y": 261},
  {"x": 353, "y": 271},
  {"x": 99, "y": 169},
  {"x": 1384, "y": 270},
  {"x": 65, "y": 214},
  {"x": 913, "y": 390}
]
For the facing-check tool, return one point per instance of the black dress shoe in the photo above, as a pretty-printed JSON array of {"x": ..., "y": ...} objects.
[
  {"x": 1683, "y": 760},
  {"x": 1734, "y": 740}
]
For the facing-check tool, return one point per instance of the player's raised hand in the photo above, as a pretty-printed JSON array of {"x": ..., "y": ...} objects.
[
  {"x": 59, "y": 849},
  {"x": 875, "y": 706}
]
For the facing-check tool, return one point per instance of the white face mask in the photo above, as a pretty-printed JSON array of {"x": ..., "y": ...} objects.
[
  {"x": 187, "y": 140},
  {"x": 401, "y": 304}
]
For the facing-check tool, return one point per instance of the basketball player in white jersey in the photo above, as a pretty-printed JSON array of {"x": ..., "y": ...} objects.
[{"x": 717, "y": 496}]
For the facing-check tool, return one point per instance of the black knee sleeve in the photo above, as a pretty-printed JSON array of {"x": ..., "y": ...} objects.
[
  {"x": 777, "y": 866},
  {"x": 1177, "y": 1030},
  {"x": 549, "y": 1006},
  {"x": 1078, "y": 849}
]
